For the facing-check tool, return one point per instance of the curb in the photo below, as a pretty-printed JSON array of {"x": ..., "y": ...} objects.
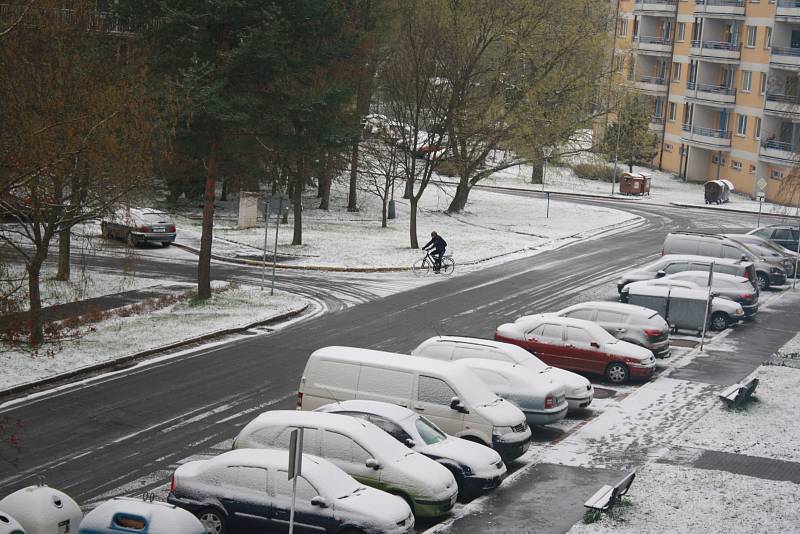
[
  {"x": 732, "y": 210},
  {"x": 143, "y": 354}
]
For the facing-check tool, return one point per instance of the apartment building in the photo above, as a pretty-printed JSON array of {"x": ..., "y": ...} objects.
[{"x": 722, "y": 77}]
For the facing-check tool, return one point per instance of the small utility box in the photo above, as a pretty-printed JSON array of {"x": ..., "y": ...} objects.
[
  {"x": 248, "y": 208},
  {"x": 43, "y": 510}
]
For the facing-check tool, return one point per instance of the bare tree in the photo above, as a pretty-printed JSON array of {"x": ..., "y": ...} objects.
[{"x": 381, "y": 155}]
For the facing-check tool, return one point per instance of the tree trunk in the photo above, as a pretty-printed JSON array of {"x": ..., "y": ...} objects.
[
  {"x": 536, "y": 171},
  {"x": 630, "y": 166},
  {"x": 325, "y": 202},
  {"x": 204, "y": 258},
  {"x": 413, "y": 223},
  {"x": 408, "y": 194},
  {"x": 224, "y": 193},
  {"x": 352, "y": 199},
  {"x": 63, "y": 254},
  {"x": 385, "y": 202},
  {"x": 459, "y": 201},
  {"x": 35, "y": 300},
  {"x": 297, "y": 204},
  {"x": 290, "y": 193}
]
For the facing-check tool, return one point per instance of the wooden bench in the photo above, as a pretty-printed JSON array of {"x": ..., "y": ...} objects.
[
  {"x": 736, "y": 394},
  {"x": 608, "y": 496}
]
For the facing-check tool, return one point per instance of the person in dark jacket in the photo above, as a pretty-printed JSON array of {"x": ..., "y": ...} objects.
[{"x": 437, "y": 245}]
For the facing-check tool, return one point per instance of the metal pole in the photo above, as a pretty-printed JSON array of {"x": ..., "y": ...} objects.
[
  {"x": 275, "y": 251},
  {"x": 758, "y": 222},
  {"x": 548, "y": 204},
  {"x": 544, "y": 172},
  {"x": 616, "y": 157},
  {"x": 291, "y": 510},
  {"x": 708, "y": 305},
  {"x": 264, "y": 260},
  {"x": 794, "y": 280}
]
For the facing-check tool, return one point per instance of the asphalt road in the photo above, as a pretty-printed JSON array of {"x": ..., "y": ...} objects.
[{"x": 93, "y": 437}]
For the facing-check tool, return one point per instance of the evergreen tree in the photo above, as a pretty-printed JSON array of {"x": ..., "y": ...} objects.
[{"x": 630, "y": 138}]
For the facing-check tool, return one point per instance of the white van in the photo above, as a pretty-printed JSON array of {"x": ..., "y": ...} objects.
[
  {"x": 453, "y": 348},
  {"x": 451, "y": 396}
]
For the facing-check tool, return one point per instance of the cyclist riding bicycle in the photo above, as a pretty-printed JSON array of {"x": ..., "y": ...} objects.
[{"x": 437, "y": 245}]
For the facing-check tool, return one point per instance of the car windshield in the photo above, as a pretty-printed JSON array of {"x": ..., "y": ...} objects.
[
  {"x": 428, "y": 431},
  {"x": 331, "y": 480},
  {"x": 155, "y": 218}
]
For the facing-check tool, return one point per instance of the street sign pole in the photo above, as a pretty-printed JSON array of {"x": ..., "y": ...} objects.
[
  {"x": 295, "y": 468},
  {"x": 760, "y": 200},
  {"x": 794, "y": 280},
  {"x": 708, "y": 305},
  {"x": 548, "y": 204},
  {"x": 281, "y": 200},
  {"x": 266, "y": 227}
]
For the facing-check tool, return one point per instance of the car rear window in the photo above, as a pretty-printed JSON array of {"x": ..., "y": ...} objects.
[{"x": 156, "y": 218}]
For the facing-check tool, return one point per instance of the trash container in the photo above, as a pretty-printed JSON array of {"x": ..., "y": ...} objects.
[
  {"x": 683, "y": 309},
  {"x": 717, "y": 191},
  {"x": 9, "y": 525},
  {"x": 43, "y": 510},
  {"x": 125, "y": 514},
  {"x": 634, "y": 183}
]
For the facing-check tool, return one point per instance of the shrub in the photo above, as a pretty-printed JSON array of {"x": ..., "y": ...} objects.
[
  {"x": 597, "y": 171},
  {"x": 446, "y": 167}
]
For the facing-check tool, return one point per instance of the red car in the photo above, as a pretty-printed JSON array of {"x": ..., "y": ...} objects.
[{"x": 578, "y": 345}]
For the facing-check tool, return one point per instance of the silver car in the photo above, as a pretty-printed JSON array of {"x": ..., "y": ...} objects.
[
  {"x": 542, "y": 400},
  {"x": 735, "y": 288},
  {"x": 676, "y": 263},
  {"x": 633, "y": 324},
  {"x": 770, "y": 250},
  {"x": 139, "y": 225},
  {"x": 475, "y": 467},
  {"x": 248, "y": 490}
]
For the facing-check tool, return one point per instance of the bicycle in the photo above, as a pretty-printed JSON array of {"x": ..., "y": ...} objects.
[{"x": 425, "y": 265}]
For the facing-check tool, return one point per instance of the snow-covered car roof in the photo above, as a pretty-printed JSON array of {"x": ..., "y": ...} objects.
[
  {"x": 159, "y": 517},
  {"x": 528, "y": 321},
  {"x": 612, "y": 306},
  {"x": 661, "y": 291},
  {"x": 717, "y": 276},
  {"x": 663, "y": 282},
  {"x": 390, "y": 411},
  {"x": 693, "y": 257},
  {"x": 478, "y": 342},
  {"x": 518, "y": 375}
]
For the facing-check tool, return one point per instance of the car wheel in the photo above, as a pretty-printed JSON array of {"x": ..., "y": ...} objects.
[
  {"x": 213, "y": 521},
  {"x": 763, "y": 281},
  {"x": 719, "y": 321},
  {"x": 617, "y": 373},
  {"x": 166, "y": 243}
]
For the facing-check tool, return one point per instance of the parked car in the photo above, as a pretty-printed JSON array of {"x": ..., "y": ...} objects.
[
  {"x": 542, "y": 401},
  {"x": 685, "y": 309},
  {"x": 248, "y": 491},
  {"x": 769, "y": 250},
  {"x": 676, "y": 263},
  {"x": 782, "y": 234},
  {"x": 451, "y": 397},
  {"x": 735, "y": 288},
  {"x": 634, "y": 324},
  {"x": 361, "y": 450},
  {"x": 768, "y": 273},
  {"x": 139, "y": 225},
  {"x": 579, "y": 390},
  {"x": 579, "y": 345},
  {"x": 475, "y": 467},
  {"x": 124, "y": 515}
]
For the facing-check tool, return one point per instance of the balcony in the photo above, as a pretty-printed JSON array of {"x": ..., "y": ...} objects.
[
  {"x": 656, "y": 7},
  {"x": 788, "y": 11},
  {"x": 706, "y": 137},
  {"x": 786, "y": 58},
  {"x": 715, "y": 95},
  {"x": 651, "y": 84},
  {"x": 656, "y": 123},
  {"x": 658, "y": 45},
  {"x": 721, "y": 8},
  {"x": 782, "y": 105},
  {"x": 716, "y": 50},
  {"x": 774, "y": 151}
]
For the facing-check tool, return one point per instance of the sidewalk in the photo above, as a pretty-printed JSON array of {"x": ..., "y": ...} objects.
[{"x": 549, "y": 496}]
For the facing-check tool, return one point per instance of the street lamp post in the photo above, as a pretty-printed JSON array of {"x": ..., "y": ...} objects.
[
  {"x": 616, "y": 158},
  {"x": 547, "y": 151}
]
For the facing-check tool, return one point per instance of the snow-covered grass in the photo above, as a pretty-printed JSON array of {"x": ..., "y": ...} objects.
[
  {"x": 765, "y": 427},
  {"x": 123, "y": 336},
  {"x": 669, "y": 498},
  {"x": 493, "y": 224}
]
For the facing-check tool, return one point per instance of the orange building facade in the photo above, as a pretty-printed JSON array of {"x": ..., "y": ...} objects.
[{"x": 723, "y": 77}]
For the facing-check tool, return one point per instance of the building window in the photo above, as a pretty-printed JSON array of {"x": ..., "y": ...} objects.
[
  {"x": 667, "y": 147},
  {"x": 757, "y": 132},
  {"x": 763, "y": 85},
  {"x": 776, "y": 175},
  {"x": 736, "y": 165},
  {"x": 623, "y": 27},
  {"x": 768, "y": 38},
  {"x": 752, "y": 169},
  {"x": 747, "y": 77},
  {"x": 676, "y": 72},
  {"x": 716, "y": 159},
  {"x": 681, "y": 31},
  {"x": 620, "y": 64},
  {"x": 673, "y": 111},
  {"x": 741, "y": 127},
  {"x": 751, "y": 36}
]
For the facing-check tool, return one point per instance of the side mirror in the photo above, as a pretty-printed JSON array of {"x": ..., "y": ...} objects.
[
  {"x": 595, "y": 345},
  {"x": 661, "y": 274},
  {"x": 372, "y": 463},
  {"x": 744, "y": 257},
  {"x": 410, "y": 443},
  {"x": 319, "y": 501}
]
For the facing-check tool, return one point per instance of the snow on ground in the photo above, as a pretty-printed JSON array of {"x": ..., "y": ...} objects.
[
  {"x": 493, "y": 224},
  {"x": 668, "y": 498},
  {"x": 753, "y": 430},
  {"x": 123, "y": 336},
  {"x": 665, "y": 188}
]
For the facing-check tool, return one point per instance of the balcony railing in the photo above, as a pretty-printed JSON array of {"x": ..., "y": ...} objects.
[
  {"x": 777, "y": 145},
  {"x": 789, "y": 3},
  {"x": 708, "y": 88},
  {"x": 784, "y": 51},
  {"x": 656, "y": 120},
  {"x": 645, "y": 39},
  {"x": 708, "y": 132},
  {"x": 639, "y": 3},
  {"x": 652, "y": 79},
  {"x": 783, "y": 99},
  {"x": 721, "y": 3},
  {"x": 716, "y": 45}
]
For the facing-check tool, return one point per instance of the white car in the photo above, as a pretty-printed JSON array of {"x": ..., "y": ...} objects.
[
  {"x": 542, "y": 400},
  {"x": 475, "y": 467},
  {"x": 579, "y": 390},
  {"x": 249, "y": 490},
  {"x": 361, "y": 450}
]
